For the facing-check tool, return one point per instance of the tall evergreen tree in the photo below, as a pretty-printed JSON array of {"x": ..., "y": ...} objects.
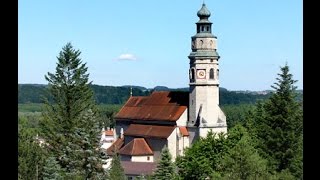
[
  {"x": 165, "y": 168},
  {"x": 70, "y": 124},
  {"x": 52, "y": 170},
  {"x": 279, "y": 124},
  {"x": 116, "y": 171}
]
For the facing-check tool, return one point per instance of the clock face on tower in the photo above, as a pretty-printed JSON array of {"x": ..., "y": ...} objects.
[{"x": 201, "y": 73}]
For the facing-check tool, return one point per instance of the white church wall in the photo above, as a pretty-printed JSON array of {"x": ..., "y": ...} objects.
[
  {"x": 186, "y": 143},
  {"x": 147, "y": 158},
  {"x": 182, "y": 121},
  {"x": 204, "y": 131},
  {"x": 172, "y": 144}
]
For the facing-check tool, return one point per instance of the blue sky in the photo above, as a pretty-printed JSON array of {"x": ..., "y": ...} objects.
[{"x": 146, "y": 43}]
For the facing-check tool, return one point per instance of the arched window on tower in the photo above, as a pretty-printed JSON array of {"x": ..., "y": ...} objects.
[
  {"x": 202, "y": 28},
  {"x": 192, "y": 74},
  {"x": 211, "y": 75},
  {"x": 201, "y": 43},
  {"x": 217, "y": 73},
  {"x": 207, "y": 28}
]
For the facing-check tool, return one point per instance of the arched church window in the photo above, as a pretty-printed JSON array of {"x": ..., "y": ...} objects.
[
  {"x": 211, "y": 44},
  {"x": 201, "y": 43},
  {"x": 211, "y": 75},
  {"x": 192, "y": 74},
  {"x": 207, "y": 28},
  {"x": 217, "y": 73},
  {"x": 202, "y": 28}
]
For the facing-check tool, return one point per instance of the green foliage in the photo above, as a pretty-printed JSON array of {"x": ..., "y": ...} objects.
[
  {"x": 70, "y": 124},
  {"x": 243, "y": 162},
  {"x": 165, "y": 168},
  {"x": 30, "y": 154},
  {"x": 30, "y": 107},
  {"x": 202, "y": 158},
  {"x": 52, "y": 170},
  {"x": 31, "y": 93},
  {"x": 277, "y": 125},
  {"x": 116, "y": 171},
  {"x": 283, "y": 175},
  {"x": 223, "y": 156},
  {"x": 107, "y": 113},
  {"x": 236, "y": 113},
  {"x": 236, "y": 98}
]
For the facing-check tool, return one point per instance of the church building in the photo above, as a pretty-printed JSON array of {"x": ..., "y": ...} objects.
[{"x": 146, "y": 124}]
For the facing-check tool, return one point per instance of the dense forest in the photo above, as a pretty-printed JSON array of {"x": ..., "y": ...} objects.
[{"x": 34, "y": 93}]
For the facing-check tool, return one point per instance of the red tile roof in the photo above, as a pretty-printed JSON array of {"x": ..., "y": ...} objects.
[
  {"x": 184, "y": 131},
  {"x": 115, "y": 147},
  {"x": 140, "y": 130},
  {"x": 138, "y": 168},
  {"x": 160, "y": 105},
  {"x": 136, "y": 147}
]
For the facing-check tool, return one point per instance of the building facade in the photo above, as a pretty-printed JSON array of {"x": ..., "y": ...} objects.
[{"x": 146, "y": 124}]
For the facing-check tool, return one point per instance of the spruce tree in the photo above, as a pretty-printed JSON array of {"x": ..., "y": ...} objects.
[
  {"x": 279, "y": 125},
  {"x": 165, "y": 168},
  {"x": 52, "y": 170},
  {"x": 70, "y": 125},
  {"x": 116, "y": 171}
]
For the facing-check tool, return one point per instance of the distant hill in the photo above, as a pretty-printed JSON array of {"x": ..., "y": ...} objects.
[{"x": 33, "y": 93}]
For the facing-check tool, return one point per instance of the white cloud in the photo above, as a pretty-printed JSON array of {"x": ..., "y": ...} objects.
[{"x": 129, "y": 57}]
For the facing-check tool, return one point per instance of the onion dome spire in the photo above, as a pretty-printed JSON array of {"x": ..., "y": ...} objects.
[{"x": 203, "y": 12}]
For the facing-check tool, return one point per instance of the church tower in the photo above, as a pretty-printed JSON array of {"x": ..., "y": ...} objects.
[{"x": 204, "y": 111}]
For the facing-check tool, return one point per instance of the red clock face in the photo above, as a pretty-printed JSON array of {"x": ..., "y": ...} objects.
[{"x": 201, "y": 73}]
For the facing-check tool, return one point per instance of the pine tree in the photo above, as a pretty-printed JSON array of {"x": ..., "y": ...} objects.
[
  {"x": 116, "y": 171},
  {"x": 52, "y": 170},
  {"x": 279, "y": 124},
  {"x": 70, "y": 125},
  {"x": 165, "y": 168}
]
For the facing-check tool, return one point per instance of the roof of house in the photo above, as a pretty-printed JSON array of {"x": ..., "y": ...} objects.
[
  {"x": 160, "y": 105},
  {"x": 115, "y": 147},
  {"x": 184, "y": 131},
  {"x": 138, "y": 168},
  {"x": 136, "y": 147},
  {"x": 149, "y": 131}
]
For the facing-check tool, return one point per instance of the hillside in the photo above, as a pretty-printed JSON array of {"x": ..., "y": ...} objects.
[{"x": 33, "y": 93}]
